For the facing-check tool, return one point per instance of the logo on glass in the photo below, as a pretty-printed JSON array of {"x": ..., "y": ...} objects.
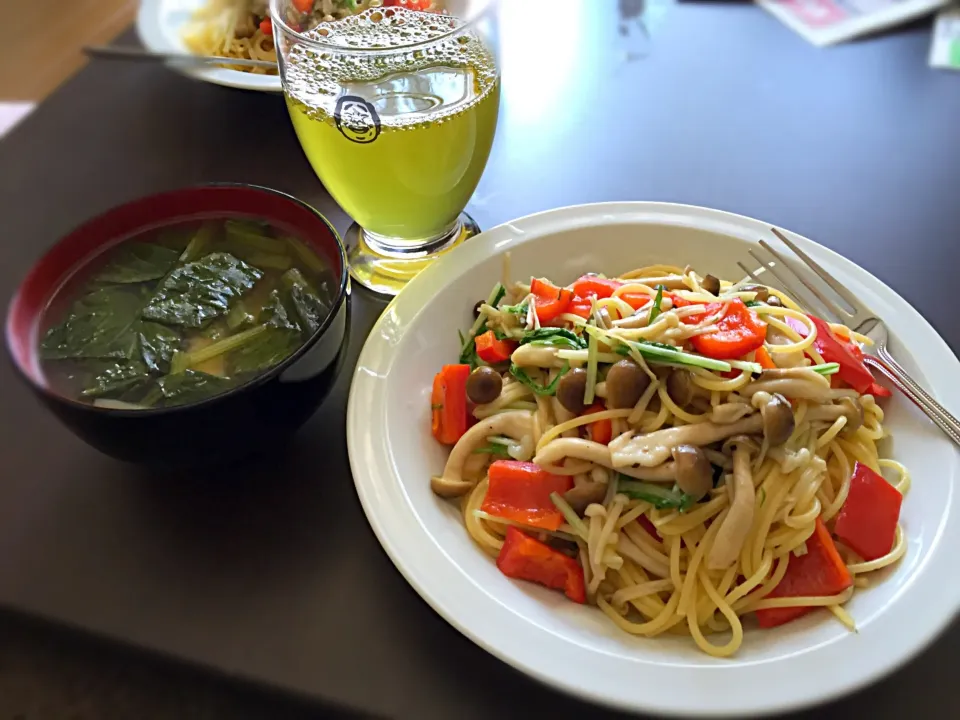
[{"x": 357, "y": 119}]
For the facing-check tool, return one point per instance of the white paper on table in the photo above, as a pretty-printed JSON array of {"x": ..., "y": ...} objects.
[
  {"x": 826, "y": 22},
  {"x": 12, "y": 113},
  {"x": 945, "y": 47}
]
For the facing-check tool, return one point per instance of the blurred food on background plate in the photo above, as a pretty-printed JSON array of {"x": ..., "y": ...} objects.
[{"x": 242, "y": 28}]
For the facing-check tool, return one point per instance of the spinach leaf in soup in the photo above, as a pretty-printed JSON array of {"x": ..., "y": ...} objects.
[
  {"x": 98, "y": 325},
  {"x": 251, "y": 242},
  {"x": 138, "y": 262},
  {"x": 191, "y": 386},
  {"x": 275, "y": 314},
  {"x": 158, "y": 343},
  {"x": 308, "y": 258},
  {"x": 251, "y": 235},
  {"x": 270, "y": 347},
  {"x": 309, "y": 307},
  {"x": 199, "y": 242},
  {"x": 239, "y": 317},
  {"x": 118, "y": 379},
  {"x": 197, "y": 293}
]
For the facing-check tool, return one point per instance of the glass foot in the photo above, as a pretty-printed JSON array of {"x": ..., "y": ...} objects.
[{"x": 388, "y": 274}]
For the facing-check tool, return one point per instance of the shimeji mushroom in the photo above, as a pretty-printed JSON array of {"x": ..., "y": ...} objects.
[
  {"x": 534, "y": 356},
  {"x": 799, "y": 382},
  {"x": 515, "y": 424},
  {"x": 775, "y": 421},
  {"x": 736, "y": 525},
  {"x": 689, "y": 468}
]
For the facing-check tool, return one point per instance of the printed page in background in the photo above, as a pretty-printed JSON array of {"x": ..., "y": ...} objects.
[
  {"x": 826, "y": 22},
  {"x": 945, "y": 48}
]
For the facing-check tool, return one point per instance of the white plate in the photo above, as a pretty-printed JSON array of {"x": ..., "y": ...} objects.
[
  {"x": 575, "y": 648},
  {"x": 159, "y": 24}
]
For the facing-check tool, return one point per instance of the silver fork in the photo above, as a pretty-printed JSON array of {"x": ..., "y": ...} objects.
[{"x": 861, "y": 320}]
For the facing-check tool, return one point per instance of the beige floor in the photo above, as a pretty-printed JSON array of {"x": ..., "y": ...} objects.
[{"x": 45, "y": 41}]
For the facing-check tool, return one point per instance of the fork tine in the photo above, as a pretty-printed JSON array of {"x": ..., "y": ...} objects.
[
  {"x": 765, "y": 267},
  {"x": 750, "y": 273},
  {"x": 837, "y": 287},
  {"x": 769, "y": 267},
  {"x": 829, "y": 304}
]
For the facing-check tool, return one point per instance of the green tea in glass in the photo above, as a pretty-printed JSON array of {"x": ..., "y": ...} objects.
[{"x": 396, "y": 110}]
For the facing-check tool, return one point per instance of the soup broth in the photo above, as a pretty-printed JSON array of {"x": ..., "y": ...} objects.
[{"x": 179, "y": 314}]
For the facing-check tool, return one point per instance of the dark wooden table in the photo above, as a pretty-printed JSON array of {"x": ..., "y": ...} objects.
[{"x": 270, "y": 573}]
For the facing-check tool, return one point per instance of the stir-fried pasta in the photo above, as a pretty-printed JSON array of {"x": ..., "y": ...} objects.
[
  {"x": 243, "y": 28},
  {"x": 677, "y": 450}
]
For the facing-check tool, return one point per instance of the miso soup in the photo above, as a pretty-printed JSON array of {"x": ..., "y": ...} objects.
[{"x": 182, "y": 313}]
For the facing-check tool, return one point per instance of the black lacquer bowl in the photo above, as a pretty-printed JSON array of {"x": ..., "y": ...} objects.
[{"x": 255, "y": 416}]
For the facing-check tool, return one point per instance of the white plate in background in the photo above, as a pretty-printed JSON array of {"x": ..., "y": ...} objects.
[
  {"x": 159, "y": 24},
  {"x": 575, "y": 648}
]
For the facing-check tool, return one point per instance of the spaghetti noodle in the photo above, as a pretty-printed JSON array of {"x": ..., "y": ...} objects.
[
  {"x": 232, "y": 29},
  {"x": 709, "y": 451}
]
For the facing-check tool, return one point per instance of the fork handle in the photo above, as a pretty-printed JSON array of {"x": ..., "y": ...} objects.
[{"x": 942, "y": 417}]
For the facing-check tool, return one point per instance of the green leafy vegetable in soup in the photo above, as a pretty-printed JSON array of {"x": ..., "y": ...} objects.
[
  {"x": 200, "y": 291},
  {"x": 281, "y": 337},
  {"x": 139, "y": 262},
  {"x": 306, "y": 303},
  {"x": 183, "y": 313},
  {"x": 98, "y": 325},
  {"x": 158, "y": 343},
  {"x": 191, "y": 386},
  {"x": 118, "y": 379}
]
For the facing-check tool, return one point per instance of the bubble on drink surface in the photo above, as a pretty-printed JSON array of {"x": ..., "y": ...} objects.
[
  {"x": 316, "y": 76},
  {"x": 385, "y": 28}
]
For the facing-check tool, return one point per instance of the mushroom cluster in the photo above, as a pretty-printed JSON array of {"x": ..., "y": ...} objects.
[{"x": 775, "y": 421}]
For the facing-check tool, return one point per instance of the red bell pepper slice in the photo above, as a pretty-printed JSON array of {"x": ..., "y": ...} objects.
[
  {"x": 678, "y": 301},
  {"x": 819, "y": 572},
  {"x": 580, "y": 306},
  {"x": 636, "y": 300},
  {"x": 409, "y": 4},
  {"x": 600, "y": 431},
  {"x": 448, "y": 403},
  {"x": 520, "y": 491},
  {"x": 549, "y": 300},
  {"x": 493, "y": 351},
  {"x": 846, "y": 353},
  {"x": 524, "y": 558},
  {"x": 867, "y": 522},
  {"x": 875, "y": 389},
  {"x": 595, "y": 286},
  {"x": 587, "y": 287},
  {"x": 739, "y": 331},
  {"x": 763, "y": 358},
  {"x": 303, "y": 6}
]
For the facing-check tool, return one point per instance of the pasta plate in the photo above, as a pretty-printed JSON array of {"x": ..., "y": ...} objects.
[{"x": 573, "y": 647}]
